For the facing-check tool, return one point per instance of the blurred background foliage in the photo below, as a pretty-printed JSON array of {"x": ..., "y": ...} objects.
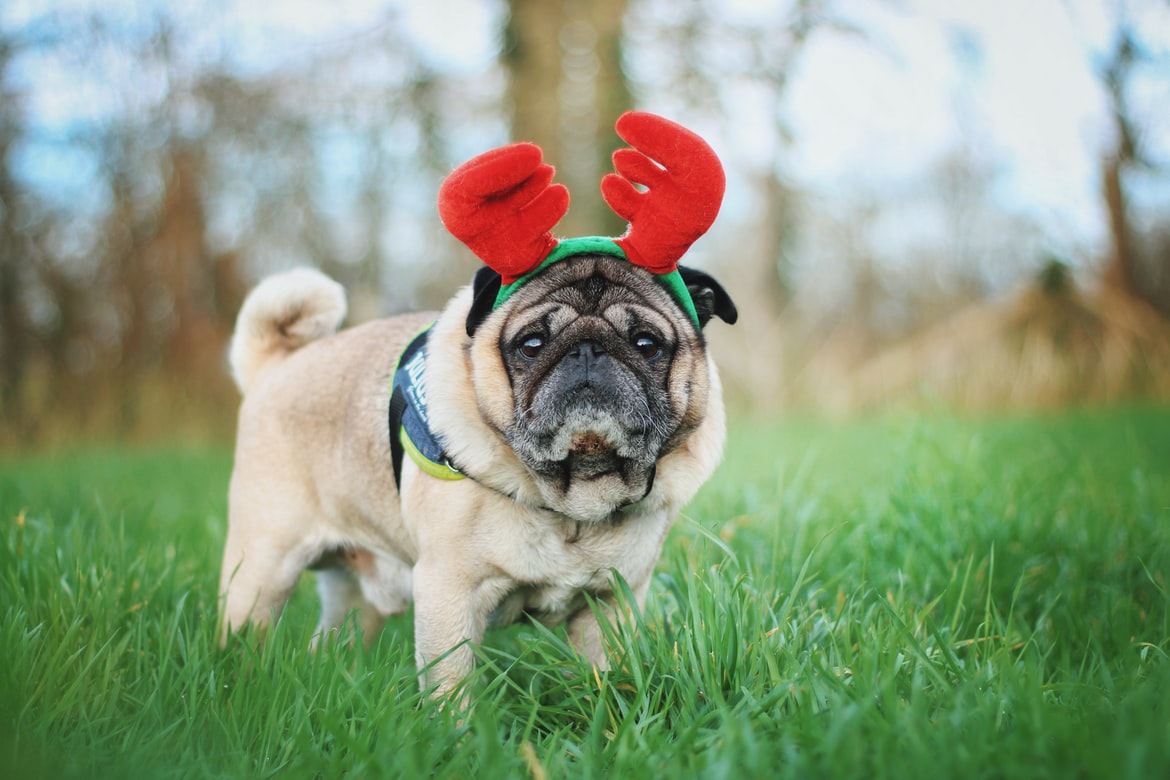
[{"x": 156, "y": 160}]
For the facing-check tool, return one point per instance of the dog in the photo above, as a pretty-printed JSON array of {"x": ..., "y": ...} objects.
[{"x": 505, "y": 457}]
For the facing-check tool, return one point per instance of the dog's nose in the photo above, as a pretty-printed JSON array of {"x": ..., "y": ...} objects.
[
  {"x": 587, "y": 357},
  {"x": 585, "y": 350}
]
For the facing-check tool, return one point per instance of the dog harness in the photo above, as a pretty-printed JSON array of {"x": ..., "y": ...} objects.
[{"x": 410, "y": 428}]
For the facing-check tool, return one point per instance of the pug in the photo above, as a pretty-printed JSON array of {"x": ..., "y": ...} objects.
[{"x": 504, "y": 458}]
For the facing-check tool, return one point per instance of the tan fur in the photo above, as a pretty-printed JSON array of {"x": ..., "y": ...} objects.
[
  {"x": 313, "y": 475},
  {"x": 283, "y": 314}
]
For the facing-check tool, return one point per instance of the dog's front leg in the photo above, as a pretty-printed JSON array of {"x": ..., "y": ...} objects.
[
  {"x": 585, "y": 632},
  {"x": 449, "y": 615}
]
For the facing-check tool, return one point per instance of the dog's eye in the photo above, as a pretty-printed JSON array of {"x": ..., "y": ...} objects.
[
  {"x": 647, "y": 346},
  {"x": 530, "y": 347}
]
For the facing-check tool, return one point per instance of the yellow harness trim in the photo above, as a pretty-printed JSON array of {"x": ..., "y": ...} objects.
[{"x": 437, "y": 470}]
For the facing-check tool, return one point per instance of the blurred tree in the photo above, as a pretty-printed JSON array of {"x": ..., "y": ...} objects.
[
  {"x": 1131, "y": 54},
  {"x": 733, "y": 71},
  {"x": 566, "y": 86},
  {"x": 711, "y": 61},
  {"x": 12, "y": 330},
  {"x": 1119, "y": 268},
  {"x": 31, "y": 319},
  {"x": 183, "y": 174},
  {"x": 116, "y": 312}
]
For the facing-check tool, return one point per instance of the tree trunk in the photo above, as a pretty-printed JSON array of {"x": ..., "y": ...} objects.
[
  {"x": 565, "y": 89},
  {"x": 1118, "y": 275},
  {"x": 13, "y": 332}
]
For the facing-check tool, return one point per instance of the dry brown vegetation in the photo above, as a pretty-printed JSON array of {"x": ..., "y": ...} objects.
[{"x": 1038, "y": 349}]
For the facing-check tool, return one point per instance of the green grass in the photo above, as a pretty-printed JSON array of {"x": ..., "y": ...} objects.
[{"x": 910, "y": 597}]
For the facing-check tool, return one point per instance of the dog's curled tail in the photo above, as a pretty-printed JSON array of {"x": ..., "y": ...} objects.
[{"x": 284, "y": 312}]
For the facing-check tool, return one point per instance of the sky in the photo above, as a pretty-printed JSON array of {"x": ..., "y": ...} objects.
[
  {"x": 1007, "y": 79},
  {"x": 1025, "y": 75}
]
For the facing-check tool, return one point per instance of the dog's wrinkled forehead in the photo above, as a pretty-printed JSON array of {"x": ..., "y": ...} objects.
[{"x": 592, "y": 286}]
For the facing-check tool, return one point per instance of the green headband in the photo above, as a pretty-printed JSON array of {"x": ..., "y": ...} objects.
[{"x": 602, "y": 245}]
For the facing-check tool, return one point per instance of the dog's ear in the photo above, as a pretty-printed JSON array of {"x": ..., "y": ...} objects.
[
  {"x": 484, "y": 287},
  {"x": 711, "y": 300}
]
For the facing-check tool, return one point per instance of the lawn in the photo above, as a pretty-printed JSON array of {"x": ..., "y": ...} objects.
[{"x": 915, "y": 596}]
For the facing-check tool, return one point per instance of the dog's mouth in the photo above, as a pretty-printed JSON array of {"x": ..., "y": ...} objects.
[
  {"x": 589, "y": 461},
  {"x": 589, "y": 444},
  {"x": 591, "y": 455},
  {"x": 585, "y": 442},
  {"x": 591, "y": 475}
]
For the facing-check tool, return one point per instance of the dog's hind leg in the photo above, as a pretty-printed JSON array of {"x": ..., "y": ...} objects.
[
  {"x": 255, "y": 582},
  {"x": 376, "y": 584},
  {"x": 340, "y": 594}
]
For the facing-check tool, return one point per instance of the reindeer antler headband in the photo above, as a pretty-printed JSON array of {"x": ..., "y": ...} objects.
[{"x": 669, "y": 186}]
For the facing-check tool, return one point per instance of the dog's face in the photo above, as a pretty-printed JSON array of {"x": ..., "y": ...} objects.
[{"x": 604, "y": 374}]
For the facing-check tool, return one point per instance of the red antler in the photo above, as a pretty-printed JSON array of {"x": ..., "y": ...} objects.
[
  {"x": 685, "y": 184},
  {"x": 503, "y": 205}
]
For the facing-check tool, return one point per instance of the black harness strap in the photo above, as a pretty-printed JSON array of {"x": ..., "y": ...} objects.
[{"x": 398, "y": 407}]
